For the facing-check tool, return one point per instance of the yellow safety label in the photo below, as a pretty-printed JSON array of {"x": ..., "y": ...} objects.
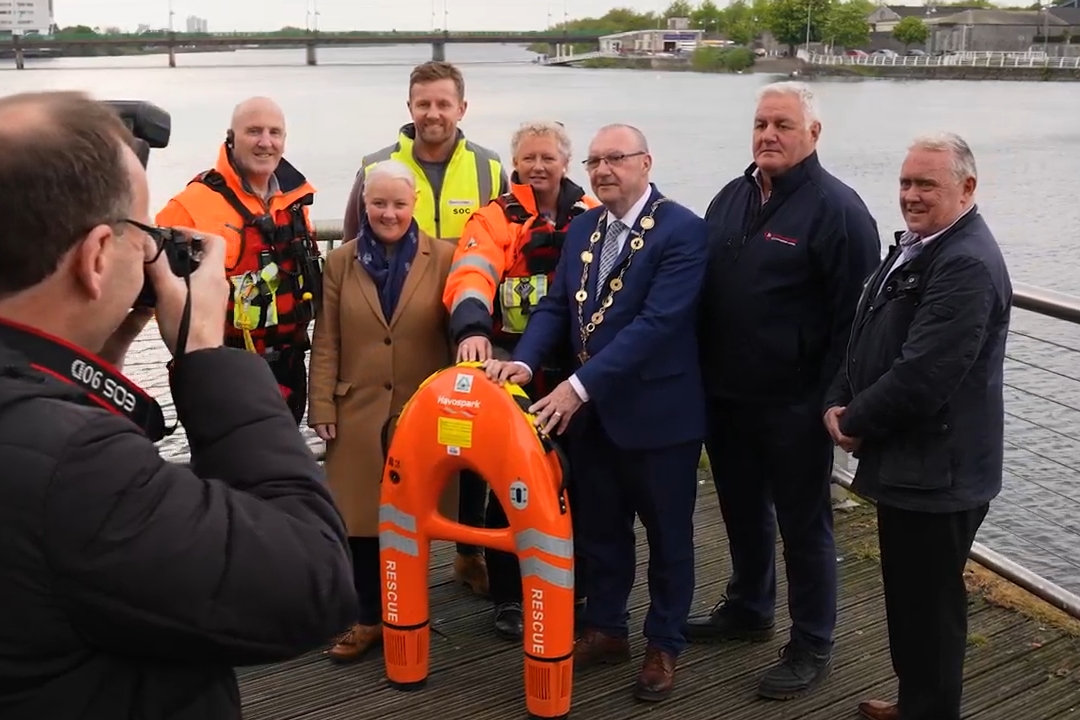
[{"x": 457, "y": 433}]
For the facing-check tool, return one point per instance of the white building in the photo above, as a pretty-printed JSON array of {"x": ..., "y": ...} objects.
[
  {"x": 196, "y": 24},
  {"x": 22, "y": 16},
  {"x": 652, "y": 41}
]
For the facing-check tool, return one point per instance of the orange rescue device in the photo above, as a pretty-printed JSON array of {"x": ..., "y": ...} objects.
[{"x": 459, "y": 419}]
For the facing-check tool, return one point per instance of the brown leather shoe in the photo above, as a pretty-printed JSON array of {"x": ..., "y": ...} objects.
[
  {"x": 657, "y": 677},
  {"x": 355, "y": 644},
  {"x": 595, "y": 648},
  {"x": 471, "y": 571},
  {"x": 879, "y": 710}
]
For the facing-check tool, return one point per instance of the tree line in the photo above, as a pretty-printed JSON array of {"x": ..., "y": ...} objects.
[{"x": 833, "y": 22}]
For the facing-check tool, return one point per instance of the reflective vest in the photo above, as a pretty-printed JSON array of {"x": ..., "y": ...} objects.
[
  {"x": 472, "y": 179},
  {"x": 536, "y": 255},
  {"x": 506, "y": 261},
  {"x": 458, "y": 420},
  {"x": 271, "y": 259}
]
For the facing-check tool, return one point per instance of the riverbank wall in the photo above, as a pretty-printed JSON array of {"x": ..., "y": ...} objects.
[{"x": 942, "y": 72}]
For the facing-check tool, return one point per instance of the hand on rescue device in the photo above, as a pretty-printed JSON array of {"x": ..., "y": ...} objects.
[
  {"x": 474, "y": 349},
  {"x": 209, "y": 296},
  {"x": 504, "y": 371},
  {"x": 554, "y": 411}
]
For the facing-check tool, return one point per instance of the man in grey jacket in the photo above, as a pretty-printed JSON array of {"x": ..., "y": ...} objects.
[{"x": 919, "y": 403}]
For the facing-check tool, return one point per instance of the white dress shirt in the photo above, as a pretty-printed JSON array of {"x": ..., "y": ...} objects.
[
  {"x": 628, "y": 220},
  {"x": 910, "y": 252}
]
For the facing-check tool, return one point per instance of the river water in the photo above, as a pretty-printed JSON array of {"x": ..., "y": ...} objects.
[{"x": 1024, "y": 134}]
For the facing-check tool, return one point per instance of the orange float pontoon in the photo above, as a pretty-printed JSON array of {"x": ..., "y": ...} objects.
[{"x": 459, "y": 419}]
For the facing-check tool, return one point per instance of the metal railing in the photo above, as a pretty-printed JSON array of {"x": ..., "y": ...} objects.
[
  {"x": 1006, "y": 60},
  {"x": 1043, "y": 302}
]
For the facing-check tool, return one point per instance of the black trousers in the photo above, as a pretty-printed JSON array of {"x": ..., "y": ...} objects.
[
  {"x": 922, "y": 566},
  {"x": 472, "y": 493},
  {"x": 367, "y": 578},
  {"x": 771, "y": 467},
  {"x": 291, "y": 373}
]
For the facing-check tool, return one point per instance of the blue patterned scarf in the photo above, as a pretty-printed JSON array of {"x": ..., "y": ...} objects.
[{"x": 388, "y": 269}]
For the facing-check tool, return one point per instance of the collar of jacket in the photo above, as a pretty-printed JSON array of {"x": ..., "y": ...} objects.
[
  {"x": 790, "y": 181},
  {"x": 289, "y": 179},
  {"x": 570, "y": 193},
  {"x": 967, "y": 219}
]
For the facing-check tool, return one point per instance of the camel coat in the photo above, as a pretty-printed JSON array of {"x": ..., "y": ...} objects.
[{"x": 364, "y": 369}]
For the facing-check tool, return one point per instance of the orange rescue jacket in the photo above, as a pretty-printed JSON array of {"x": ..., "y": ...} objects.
[
  {"x": 505, "y": 262},
  {"x": 271, "y": 257}
]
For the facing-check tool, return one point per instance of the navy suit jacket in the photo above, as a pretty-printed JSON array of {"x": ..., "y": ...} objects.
[{"x": 642, "y": 374}]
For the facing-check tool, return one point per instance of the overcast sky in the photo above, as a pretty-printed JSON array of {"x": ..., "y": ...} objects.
[{"x": 250, "y": 15}]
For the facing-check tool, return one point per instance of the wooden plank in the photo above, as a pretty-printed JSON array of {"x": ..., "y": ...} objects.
[{"x": 1013, "y": 667}]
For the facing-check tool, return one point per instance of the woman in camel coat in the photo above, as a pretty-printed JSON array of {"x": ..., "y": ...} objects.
[{"x": 380, "y": 333}]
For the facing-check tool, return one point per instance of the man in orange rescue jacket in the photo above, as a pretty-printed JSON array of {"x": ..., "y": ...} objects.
[
  {"x": 504, "y": 262},
  {"x": 258, "y": 202}
]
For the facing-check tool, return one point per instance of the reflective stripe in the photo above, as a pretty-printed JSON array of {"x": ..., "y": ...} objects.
[
  {"x": 479, "y": 263},
  {"x": 471, "y": 295},
  {"x": 533, "y": 539},
  {"x": 534, "y": 567},
  {"x": 394, "y": 515},
  {"x": 484, "y": 159},
  {"x": 393, "y": 540}
]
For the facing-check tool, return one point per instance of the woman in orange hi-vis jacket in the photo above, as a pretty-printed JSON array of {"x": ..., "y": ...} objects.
[{"x": 504, "y": 263}]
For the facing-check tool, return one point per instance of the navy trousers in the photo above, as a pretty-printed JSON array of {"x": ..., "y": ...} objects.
[
  {"x": 771, "y": 466},
  {"x": 472, "y": 494},
  {"x": 660, "y": 487}
]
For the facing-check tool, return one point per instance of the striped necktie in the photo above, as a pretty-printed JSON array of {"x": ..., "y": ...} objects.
[{"x": 608, "y": 253}]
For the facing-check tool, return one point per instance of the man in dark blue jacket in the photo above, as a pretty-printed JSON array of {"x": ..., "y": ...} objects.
[
  {"x": 789, "y": 248},
  {"x": 919, "y": 401},
  {"x": 625, "y": 296}
]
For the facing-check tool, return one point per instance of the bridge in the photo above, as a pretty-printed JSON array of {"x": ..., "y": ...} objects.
[{"x": 21, "y": 47}]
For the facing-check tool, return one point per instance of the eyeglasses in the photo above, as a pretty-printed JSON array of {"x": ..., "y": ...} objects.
[
  {"x": 157, "y": 234},
  {"x": 613, "y": 160}
]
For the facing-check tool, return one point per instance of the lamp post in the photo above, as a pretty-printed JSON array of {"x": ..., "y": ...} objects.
[{"x": 809, "y": 7}]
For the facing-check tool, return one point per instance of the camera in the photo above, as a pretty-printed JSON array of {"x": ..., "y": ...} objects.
[
  {"x": 152, "y": 127},
  {"x": 183, "y": 253}
]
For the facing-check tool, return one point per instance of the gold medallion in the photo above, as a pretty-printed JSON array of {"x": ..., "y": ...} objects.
[
  {"x": 581, "y": 296},
  {"x": 586, "y": 256},
  {"x": 608, "y": 301},
  {"x": 595, "y": 237},
  {"x": 647, "y": 223},
  {"x": 598, "y": 317},
  {"x": 589, "y": 328},
  {"x": 616, "y": 284},
  {"x": 637, "y": 243}
]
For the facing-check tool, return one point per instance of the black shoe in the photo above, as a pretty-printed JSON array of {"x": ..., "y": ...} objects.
[
  {"x": 728, "y": 622},
  {"x": 509, "y": 624},
  {"x": 799, "y": 671}
]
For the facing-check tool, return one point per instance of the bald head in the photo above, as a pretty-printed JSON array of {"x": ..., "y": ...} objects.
[
  {"x": 258, "y": 129},
  {"x": 256, "y": 107}
]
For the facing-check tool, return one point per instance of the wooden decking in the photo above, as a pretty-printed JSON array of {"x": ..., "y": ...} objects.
[{"x": 1017, "y": 668}]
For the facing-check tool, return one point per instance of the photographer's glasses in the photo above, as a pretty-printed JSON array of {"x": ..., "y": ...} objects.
[{"x": 157, "y": 234}]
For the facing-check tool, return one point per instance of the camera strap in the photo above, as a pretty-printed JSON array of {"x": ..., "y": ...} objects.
[{"x": 99, "y": 381}]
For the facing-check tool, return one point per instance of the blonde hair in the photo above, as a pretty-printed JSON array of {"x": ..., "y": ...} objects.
[{"x": 541, "y": 128}]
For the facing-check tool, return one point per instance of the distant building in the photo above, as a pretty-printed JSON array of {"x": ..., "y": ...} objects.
[
  {"x": 885, "y": 17},
  {"x": 677, "y": 37},
  {"x": 985, "y": 30},
  {"x": 196, "y": 24},
  {"x": 24, "y": 16}
]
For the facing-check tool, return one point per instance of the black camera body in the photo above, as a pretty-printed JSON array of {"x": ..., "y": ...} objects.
[{"x": 182, "y": 251}]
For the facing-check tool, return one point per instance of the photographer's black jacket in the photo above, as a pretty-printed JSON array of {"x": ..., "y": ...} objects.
[{"x": 132, "y": 586}]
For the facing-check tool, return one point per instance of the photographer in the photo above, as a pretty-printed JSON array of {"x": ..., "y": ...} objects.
[{"x": 129, "y": 586}]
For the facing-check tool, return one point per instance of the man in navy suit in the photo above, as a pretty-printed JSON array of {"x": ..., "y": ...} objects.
[{"x": 625, "y": 296}]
